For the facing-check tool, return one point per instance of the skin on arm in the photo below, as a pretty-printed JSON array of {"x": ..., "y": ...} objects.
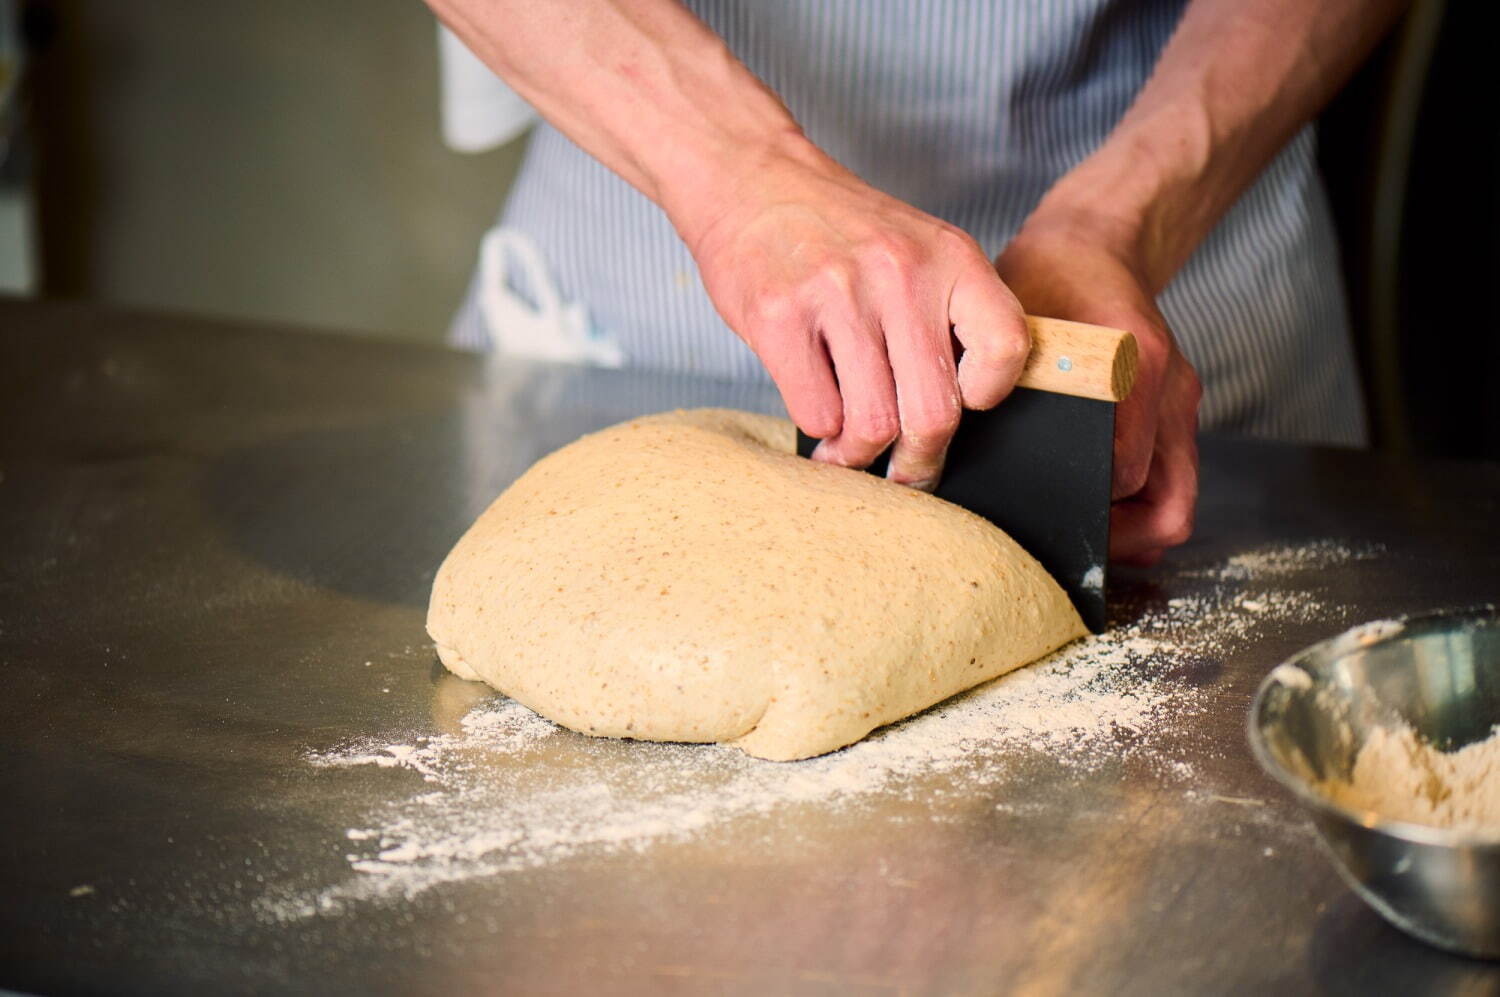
[
  {"x": 851, "y": 298},
  {"x": 1233, "y": 85},
  {"x": 848, "y": 295}
]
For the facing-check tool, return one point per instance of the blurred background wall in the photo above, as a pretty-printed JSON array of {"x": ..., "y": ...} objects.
[{"x": 274, "y": 159}]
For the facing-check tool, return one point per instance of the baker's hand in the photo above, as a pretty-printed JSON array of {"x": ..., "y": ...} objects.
[
  {"x": 853, "y": 301},
  {"x": 1062, "y": 272}
]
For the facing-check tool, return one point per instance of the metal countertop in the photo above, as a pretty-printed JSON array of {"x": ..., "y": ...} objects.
[{"x": 210, "y": 529}]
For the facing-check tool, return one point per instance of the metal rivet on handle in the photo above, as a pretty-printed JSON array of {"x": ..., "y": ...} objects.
[{"x": 1064, "y": 363}]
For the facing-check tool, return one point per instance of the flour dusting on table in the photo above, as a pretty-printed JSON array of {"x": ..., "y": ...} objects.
[{"x": 506, "y": 790}]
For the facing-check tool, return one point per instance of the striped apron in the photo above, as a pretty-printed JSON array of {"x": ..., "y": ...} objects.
[{"x": 969, "y": 110}]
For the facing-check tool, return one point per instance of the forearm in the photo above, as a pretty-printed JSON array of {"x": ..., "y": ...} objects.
[
  {"x": 1233, "y": 85},
  {"x": 642, "y": 85}
]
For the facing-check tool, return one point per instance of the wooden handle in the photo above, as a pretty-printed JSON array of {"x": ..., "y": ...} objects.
[{"x": 1073, "y": 358}]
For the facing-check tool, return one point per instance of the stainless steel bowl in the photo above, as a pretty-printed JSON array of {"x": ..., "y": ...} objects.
[{"x": 1438, "y": 673}]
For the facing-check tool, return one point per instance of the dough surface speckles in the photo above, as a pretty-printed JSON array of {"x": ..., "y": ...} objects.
[{"x": 686, "y": 577}]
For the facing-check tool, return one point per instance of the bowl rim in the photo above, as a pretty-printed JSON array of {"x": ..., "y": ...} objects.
[{"x": 1387, "y": 629}]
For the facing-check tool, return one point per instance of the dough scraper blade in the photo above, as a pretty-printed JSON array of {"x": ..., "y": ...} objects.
[{"x": 1039, "y": 465}]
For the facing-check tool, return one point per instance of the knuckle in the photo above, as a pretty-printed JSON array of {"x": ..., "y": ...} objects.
[
  {"x": 772, "y": 311},
  {"x": 1194, "y": 389},
  {"x": 893, "y": 251},
  {"x": 1013, "y": 347},
  {"x": 818, "y": 423},
  {"x": 955, "y": 240},
  {"x": 1154, "y": 346},
  {"x": 835, "y": 278},
  {"x": 872, "y": 427},
  {"x": 932, "y": 427},
  {"x": 1133, "y": 476},
  {"x": 895, "y": 260},
  {"x": 1177, "y": 528}
]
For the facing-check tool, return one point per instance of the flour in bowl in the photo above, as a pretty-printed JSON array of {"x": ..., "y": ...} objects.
[{"x": 1399, "y": 776}]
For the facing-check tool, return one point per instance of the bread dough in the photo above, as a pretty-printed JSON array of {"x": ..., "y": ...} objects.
[{"x": 687, "y": 577}]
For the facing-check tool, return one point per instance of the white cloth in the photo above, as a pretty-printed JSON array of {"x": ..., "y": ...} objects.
[{"x": 479, "y": 110}]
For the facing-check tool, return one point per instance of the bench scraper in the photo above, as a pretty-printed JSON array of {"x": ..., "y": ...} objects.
[{"x": 1039, "y": 464}]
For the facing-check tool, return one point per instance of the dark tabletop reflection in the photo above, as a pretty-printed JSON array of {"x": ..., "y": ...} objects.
[{"x": 1354, "y": 951}]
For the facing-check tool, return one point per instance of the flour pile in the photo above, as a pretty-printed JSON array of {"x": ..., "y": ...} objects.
[
  {"x": 1399, "y": 776},
  {"x": 505, "y": 790}
]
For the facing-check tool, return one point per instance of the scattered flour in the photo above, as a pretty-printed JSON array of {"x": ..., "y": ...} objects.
[
  {"x": 508, "y": 790},
  {"x": 1399, "y": 776},
  {"x": 1282, "y": 560}
]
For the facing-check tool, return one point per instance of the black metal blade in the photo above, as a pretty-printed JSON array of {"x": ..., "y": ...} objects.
[{"x": 1038, "y": 466}]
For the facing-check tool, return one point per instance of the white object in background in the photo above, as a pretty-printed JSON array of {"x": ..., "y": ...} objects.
[
  {"x": 18, "y": 244},
  {"x": 479, "y": 110},
  {"x": 546, "y": 328}
]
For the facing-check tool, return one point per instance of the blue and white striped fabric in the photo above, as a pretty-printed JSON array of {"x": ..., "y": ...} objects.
[{"x": 969, "y": 110}]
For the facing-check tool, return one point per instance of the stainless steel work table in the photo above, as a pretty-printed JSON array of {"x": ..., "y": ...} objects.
[{"x": 218, "y": 542}]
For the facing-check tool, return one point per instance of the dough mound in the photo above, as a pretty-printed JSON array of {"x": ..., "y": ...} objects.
[{"x": 687, "y": 577}]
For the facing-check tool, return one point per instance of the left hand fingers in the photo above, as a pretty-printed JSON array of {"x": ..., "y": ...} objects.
[
  {"x": 1160, "y": 514},
  {"x": 1137, "y": 421},
  {"x": 1155, "y": 483}
]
